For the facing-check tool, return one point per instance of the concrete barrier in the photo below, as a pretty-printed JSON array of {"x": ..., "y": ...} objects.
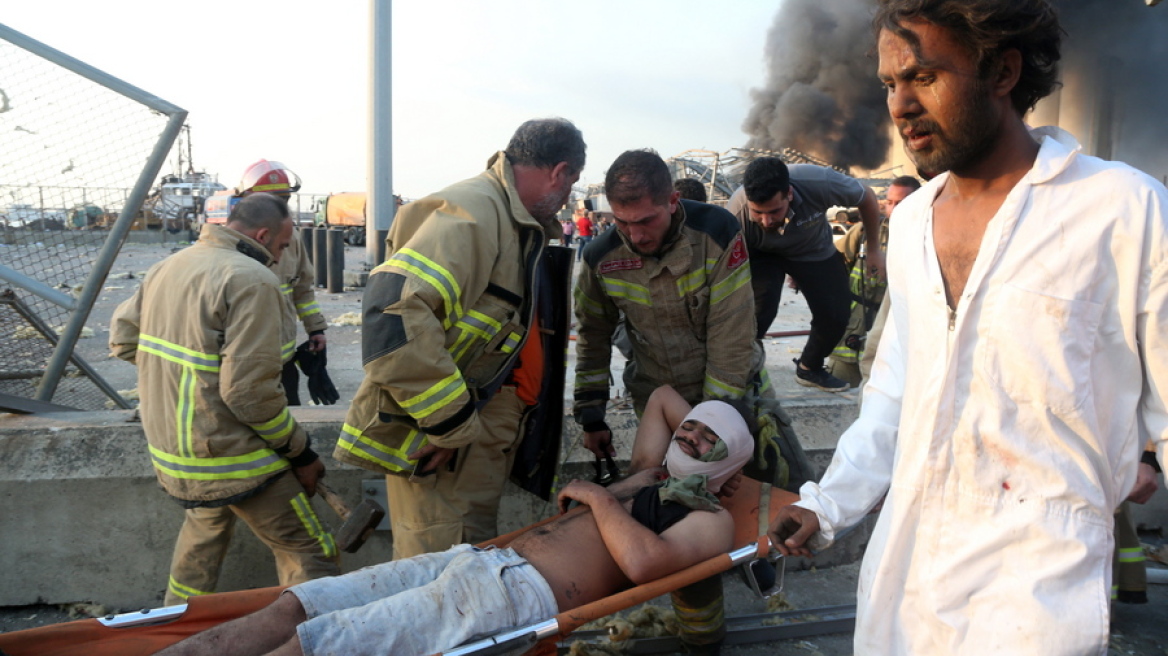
[{"x": 82, "y": 517}]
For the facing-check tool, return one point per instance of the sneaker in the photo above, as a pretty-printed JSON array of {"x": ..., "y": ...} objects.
[{"x": 819, "y": 378}]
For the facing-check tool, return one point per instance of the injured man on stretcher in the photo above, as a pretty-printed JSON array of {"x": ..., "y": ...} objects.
[{"x": 655, "y": 522}]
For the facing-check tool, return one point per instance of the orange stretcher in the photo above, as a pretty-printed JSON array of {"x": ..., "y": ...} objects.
[{"x": 146, "y": 632}]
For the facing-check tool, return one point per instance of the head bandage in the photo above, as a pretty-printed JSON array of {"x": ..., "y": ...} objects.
[{"x": 724, "y": 420}]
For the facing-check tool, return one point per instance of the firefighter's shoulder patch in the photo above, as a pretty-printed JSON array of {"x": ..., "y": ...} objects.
[
  {"x": 620, "y": 265},
  {"x": 737, "y": 253}
]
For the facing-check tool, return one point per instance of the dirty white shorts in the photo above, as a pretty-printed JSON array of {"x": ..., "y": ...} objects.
[{"x": 422, "y": 605}]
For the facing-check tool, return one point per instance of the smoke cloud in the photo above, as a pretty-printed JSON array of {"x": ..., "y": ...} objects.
[
  {"x": 821, "y": 94},
  {"x": 822, "y": 97}
]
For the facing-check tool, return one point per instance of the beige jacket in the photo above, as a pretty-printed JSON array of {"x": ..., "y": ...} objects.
[
  {"x": 206, "y": 331},
  {"x": 444, "y": 319}
]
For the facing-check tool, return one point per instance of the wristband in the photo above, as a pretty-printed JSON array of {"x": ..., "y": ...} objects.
[
  {"x": 1149, "y": 458},
  {"x": 596, "y": 426}
]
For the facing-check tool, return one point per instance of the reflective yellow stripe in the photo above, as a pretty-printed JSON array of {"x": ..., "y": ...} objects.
[
  {"x": 587, "y": 304},
  {"x": 306, "y": 309},
  {"x": 256, "y": 463},
  {"x": 271, "y": 187},
  {"x": 285, "y": 289},
  {"x": 627, "y": 290},
  {"x": 435, "y": 398},
  {"x": 511, "y": 343},
  {"x": 183, "y": 591},
  {"x": 287, "y": 351},
  {"x": 276, "y": 428},
  {"x": 691, "y": 281},
  {"x": 716, "y": 389},
  {"x": 184, "y": 412},
  {"x": 729, "y": 284},
  {"x": 591, "y": 377},
  {"x": 764, "y": 381},
  {"x": 480, "y": 324},
  {"x": 312, "y": 524},
  {"x": 178, "y": 354},
  {"x": 407, "y": 259},
  {"x": 355, "y": 442},
  {"x": 1131, "y": 555}
]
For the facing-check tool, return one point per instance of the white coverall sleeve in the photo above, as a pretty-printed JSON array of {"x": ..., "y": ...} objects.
[{"x": 861, "y": 469}]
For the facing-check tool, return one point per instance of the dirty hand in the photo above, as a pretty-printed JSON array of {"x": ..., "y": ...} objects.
[
  {"x": 1146, "y": 484},
  {"x": 308, "y": 475},
  {"x": 581, "y": 491},
  {"x": 600, "y": 443},
  {"x": 438, "y": 456},
  {"x": 317, "y": 343},
  {"x": 791, "y": 529}
]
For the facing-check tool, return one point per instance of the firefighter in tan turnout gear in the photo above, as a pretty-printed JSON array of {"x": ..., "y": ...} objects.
[
  {"x": 450, "y": 374},
  {"x": 206, "y": 330},
  {"x": 296, "y": 274}
]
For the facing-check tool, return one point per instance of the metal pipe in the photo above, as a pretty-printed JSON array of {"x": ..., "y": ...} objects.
[
  {"x": 336, "y": 260},
  {"x": 34, "y": 286},
  {"x": 306, "y": 240},
  {"x": 109, "y": 252},
  {"x": 320, "y": 254},
  {"x": 379, "y": 203}
]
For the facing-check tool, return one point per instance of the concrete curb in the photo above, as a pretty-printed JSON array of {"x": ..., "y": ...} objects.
[{"x": 84, "y": 519}]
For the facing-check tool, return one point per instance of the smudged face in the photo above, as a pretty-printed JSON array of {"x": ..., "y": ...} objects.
[
  {"x": 645, "y": 223},
  {"x": 695, "y": 438},
  {"x": 941, "y": 106},
  {"x": 560, "y": 188}
]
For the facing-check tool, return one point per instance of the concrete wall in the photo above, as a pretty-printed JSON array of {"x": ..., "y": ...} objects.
[{"x": 83, "y": 519}]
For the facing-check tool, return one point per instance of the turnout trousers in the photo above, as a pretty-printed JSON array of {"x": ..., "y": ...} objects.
[
  {"x": 452, "y": 506},
  {"x": 279, "y": 515}
]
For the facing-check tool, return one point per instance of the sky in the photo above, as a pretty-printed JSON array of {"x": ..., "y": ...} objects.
[{"x": 288, "y": 80}]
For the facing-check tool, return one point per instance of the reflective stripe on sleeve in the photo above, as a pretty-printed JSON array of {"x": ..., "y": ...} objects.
[
  {"x": 396, "y": 460},
  {"x": 716, "y": 389},
  {"x": 277, "y": 428},
  {"x": 587, "y": 304},
  {"x": 438, "y": 396},
  {"x": 592, "y": 377},
  {"x": 422, "y": 267},
  {"x": 729, "y": 285},
  {"x": 307, "y": 309}
]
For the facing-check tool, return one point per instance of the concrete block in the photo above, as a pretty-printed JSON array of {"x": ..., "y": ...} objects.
[{"x": 83, "y": 517}]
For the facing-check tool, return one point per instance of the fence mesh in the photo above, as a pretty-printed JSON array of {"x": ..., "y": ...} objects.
[{"x": 72, "y": 149}]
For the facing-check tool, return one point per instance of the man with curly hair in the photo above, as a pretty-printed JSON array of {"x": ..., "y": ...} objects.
[{"x": 1022, "y": 367}]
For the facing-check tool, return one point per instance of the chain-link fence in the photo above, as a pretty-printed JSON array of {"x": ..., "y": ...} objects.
[{"x": 72, "y": 181}]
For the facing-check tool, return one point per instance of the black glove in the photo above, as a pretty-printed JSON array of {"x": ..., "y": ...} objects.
[{"x": 320, "y": 386}]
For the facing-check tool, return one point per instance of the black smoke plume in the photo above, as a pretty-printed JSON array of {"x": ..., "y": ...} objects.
[{"x": 821, "y": 94}]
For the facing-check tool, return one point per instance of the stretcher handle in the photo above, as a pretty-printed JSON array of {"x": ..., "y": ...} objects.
[{"x": 573, "y": 619}]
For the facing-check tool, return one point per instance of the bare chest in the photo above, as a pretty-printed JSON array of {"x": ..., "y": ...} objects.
[{"x": 957, "y": 236}]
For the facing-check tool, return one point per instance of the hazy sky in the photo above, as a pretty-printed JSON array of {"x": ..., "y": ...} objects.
[{"x": 287, "y": 80}]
